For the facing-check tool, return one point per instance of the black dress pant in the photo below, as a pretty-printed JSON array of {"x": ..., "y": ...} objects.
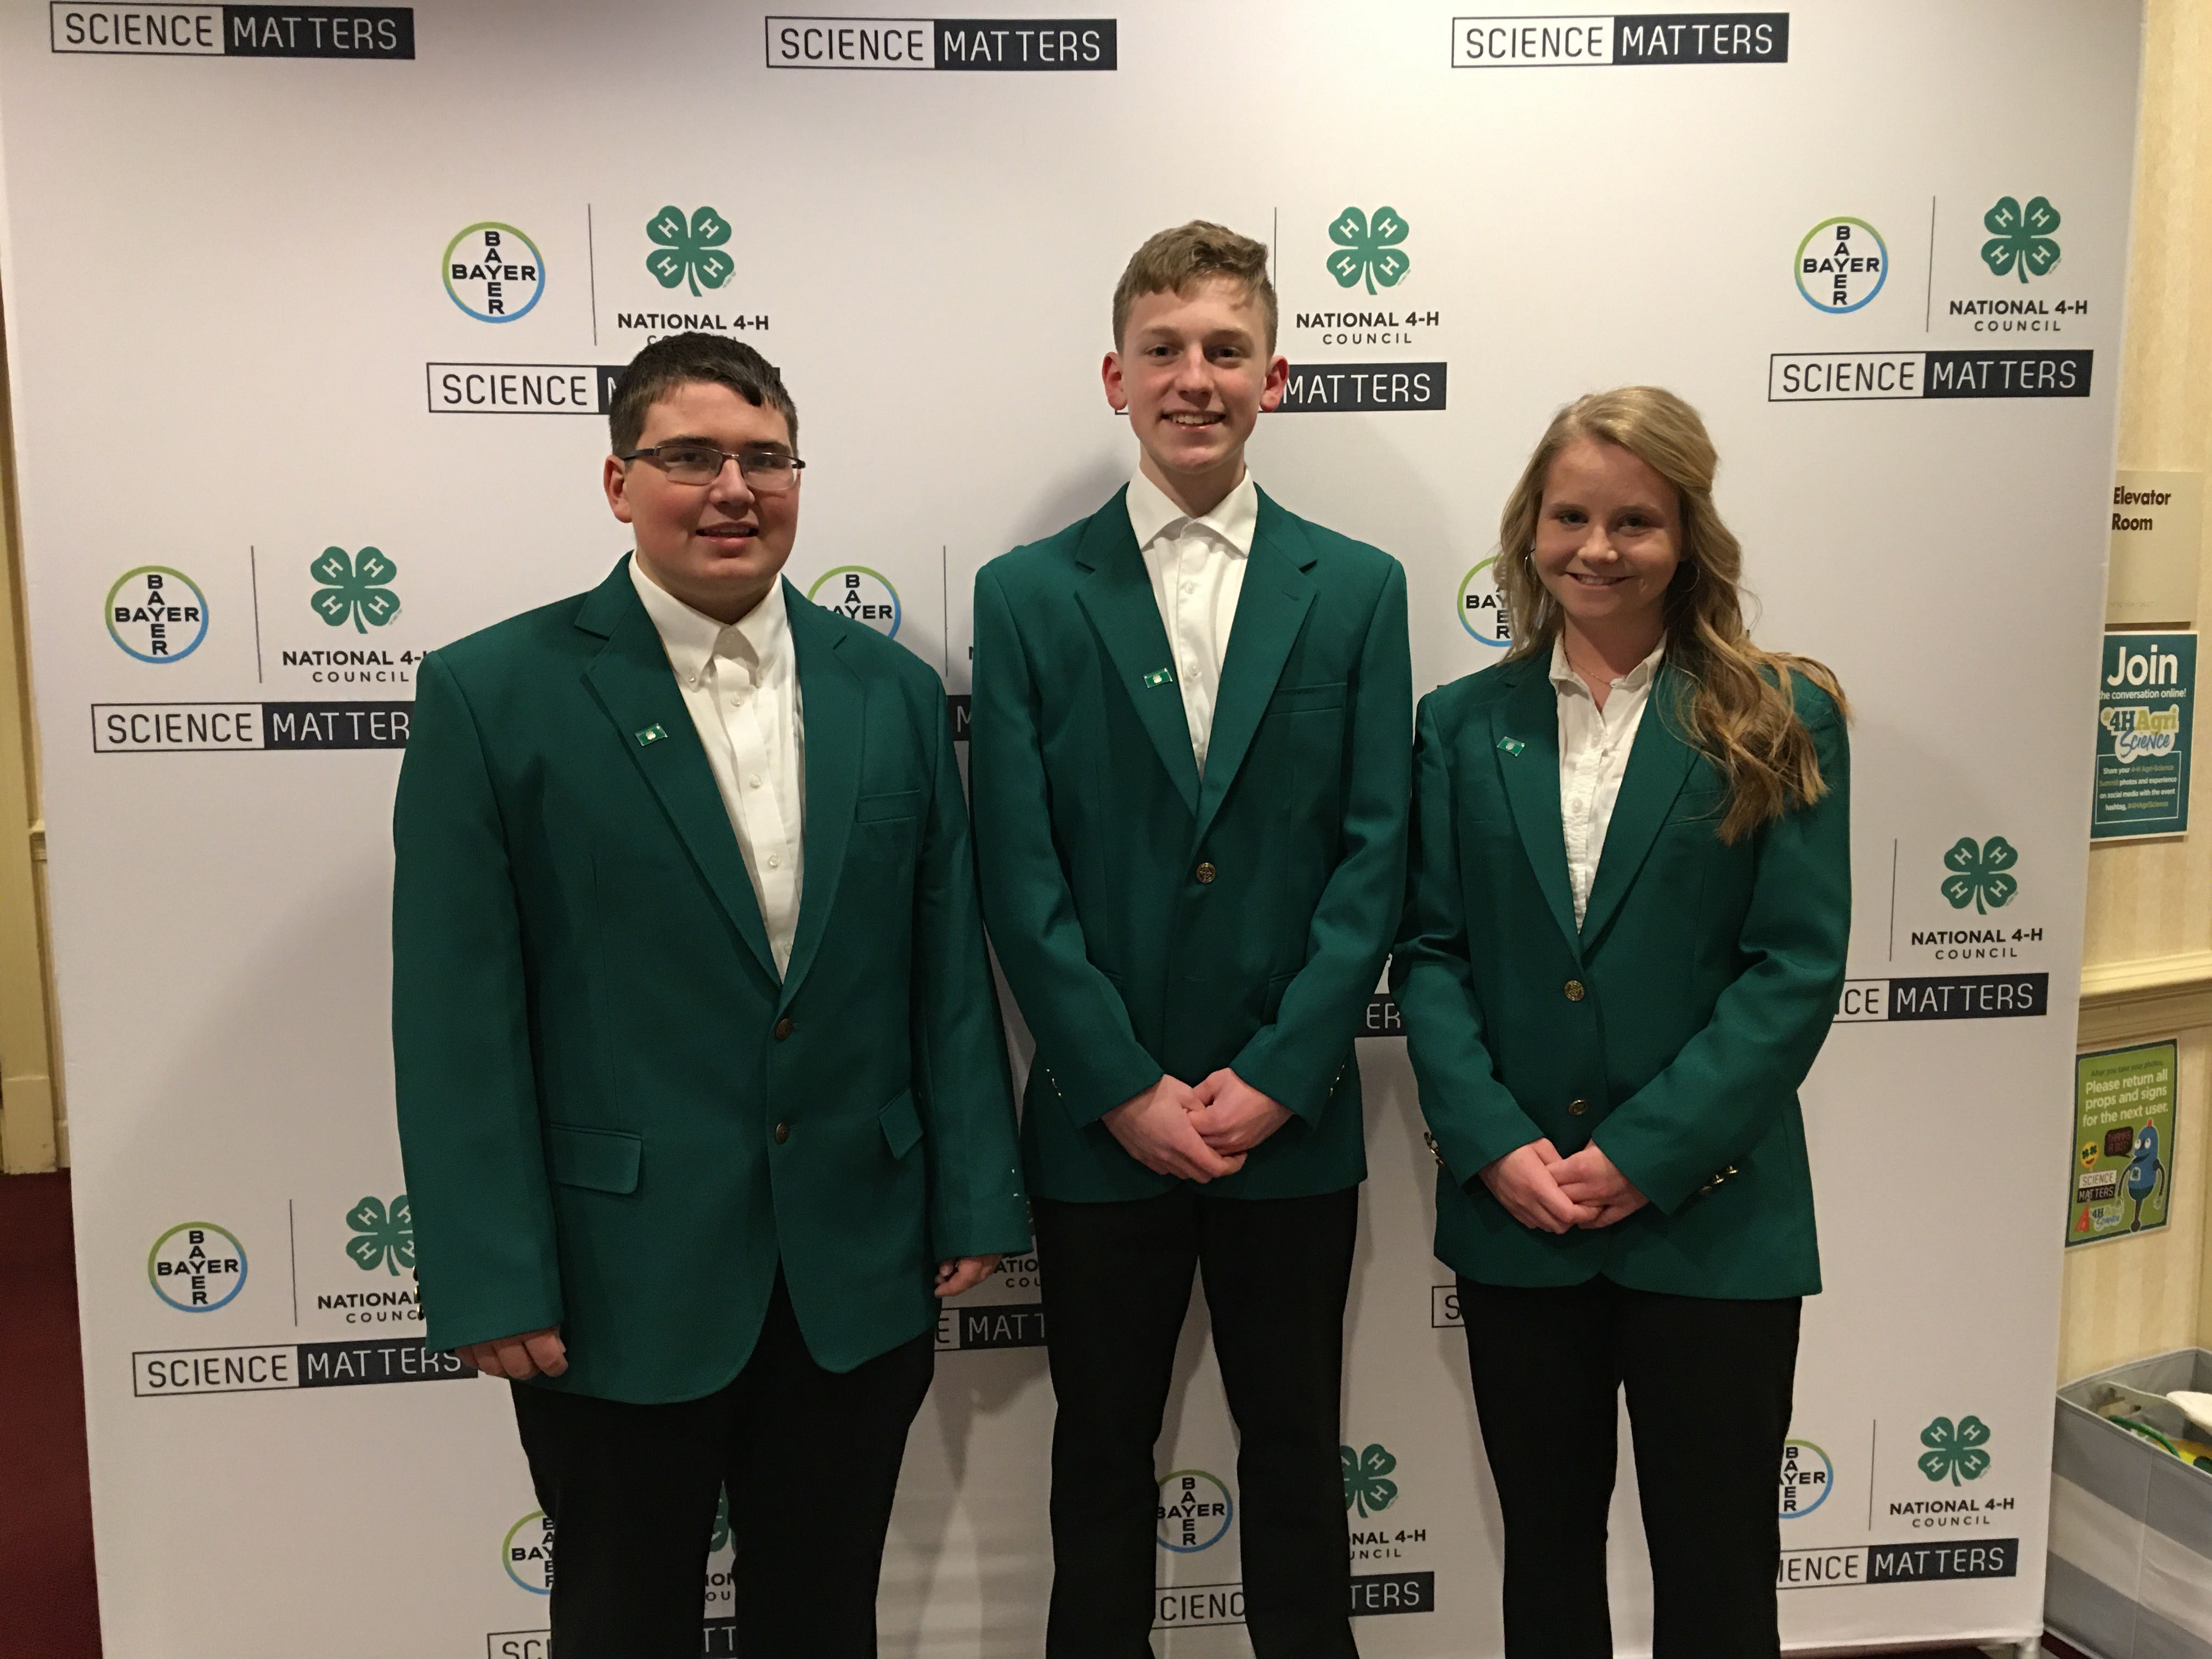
[
  {"x": 1709, "y": 1387},
  {"x": 1117, "y": 1281},
  {"x": 810, "y": 1458}
]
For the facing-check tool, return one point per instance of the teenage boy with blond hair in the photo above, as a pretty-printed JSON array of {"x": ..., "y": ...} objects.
[{"x": 1190, "y": 769}]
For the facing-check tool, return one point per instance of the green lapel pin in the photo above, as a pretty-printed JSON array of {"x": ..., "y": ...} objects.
[
  {"x": 1511, "y": 745},
  {"x": 651, "y": 734},
  {"x": 1160, "y": 677}
]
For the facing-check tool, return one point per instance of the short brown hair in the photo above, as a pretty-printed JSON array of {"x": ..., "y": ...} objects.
[
  {"x": 679, "y": 360},
  {"x": 1175, "y": 261}
]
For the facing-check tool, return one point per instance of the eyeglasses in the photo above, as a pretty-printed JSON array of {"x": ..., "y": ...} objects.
[{"x": 766, "y": 471}]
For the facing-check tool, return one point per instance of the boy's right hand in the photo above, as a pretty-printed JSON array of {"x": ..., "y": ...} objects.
[
  {"x": 1523, "y": 1183},
  {"x": 519, "y": 1358},
  {"x": 1155, "y": 1128}
]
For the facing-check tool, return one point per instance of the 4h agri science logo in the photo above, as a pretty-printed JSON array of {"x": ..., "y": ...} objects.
[
  {"x": 353, "y": 588},
  {"x": 1368, "y": 246},
  {"x": 1955, "y": 1449},
  {"x": 689, "y": 250},
  {"x": 2020, "y": 238},
  {"x": 1366, "y": 1484},
  {"x": 383, "y": 1237},
  {"x": 1981, "y": 875}
]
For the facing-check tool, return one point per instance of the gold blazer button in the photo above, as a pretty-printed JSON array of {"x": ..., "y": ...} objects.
[
  {"x": 782, "y": 1133},
  {"x": 784, "y": 1028},
  {"x": 1575, "y": 992},
  {"x": 1205, "y": 872},
  {"x": 1577, "y": 1107}
]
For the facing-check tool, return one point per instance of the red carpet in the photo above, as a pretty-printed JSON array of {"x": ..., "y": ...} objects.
[{"x": 49, "y": 1608}]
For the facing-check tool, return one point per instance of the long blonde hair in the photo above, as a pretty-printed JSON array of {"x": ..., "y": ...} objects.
[{"x": 1740, "y": 711}]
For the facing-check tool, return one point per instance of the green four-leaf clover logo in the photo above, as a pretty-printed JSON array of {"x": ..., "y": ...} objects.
[
  {"x": 692, "y": 250},
  {"x": 2020, "y": 237},
  {"x": 354, "y": 588},
  {"x": 383, "y": 1236},
  {"x": 1979, "y": 874},
  {"x": 1369, "y": 247},
  {"x": 1955, "y": 1449},
  {"x": 1364, "y": 1484}
]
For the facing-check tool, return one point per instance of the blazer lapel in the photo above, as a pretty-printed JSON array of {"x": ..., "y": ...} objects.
[
  {"x": 1525, "y": 731},
  {"x": 834, "y": 704},
  {"x": 632, "y": 681},
  {"x": 1270, "y": 609},
  {"x": 1117, "y": 596},
  {"x": 1658, "y": 766}
]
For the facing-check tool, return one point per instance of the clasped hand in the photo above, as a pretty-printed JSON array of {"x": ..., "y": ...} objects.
[
  {"x": 1540, "y": 1189},
  {"x": 1196, "y": 1133}
]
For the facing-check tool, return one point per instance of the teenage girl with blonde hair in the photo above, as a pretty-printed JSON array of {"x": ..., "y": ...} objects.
[{"x": 1624, "y": 938}]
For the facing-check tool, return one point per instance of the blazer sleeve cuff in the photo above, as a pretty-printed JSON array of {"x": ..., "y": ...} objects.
[{"x": 1089, "y": 1095}]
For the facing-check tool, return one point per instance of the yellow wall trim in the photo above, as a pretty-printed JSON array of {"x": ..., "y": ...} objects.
[{"x": 2150, "y": 997}]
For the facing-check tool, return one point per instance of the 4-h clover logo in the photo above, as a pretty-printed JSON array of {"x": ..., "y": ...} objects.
[
  {"x": 2020, "y": 237},
  {"x": 1955, "y": 1449},
  {"x": 1364, "y": 1482},
  {"x": 382, "y": 1236},
  {"x": 1369, "y": 247},
  {"x": 1979, "y": 874},
  {"x": 354, "y": 588},
  {"x": 694, "y": 250}
]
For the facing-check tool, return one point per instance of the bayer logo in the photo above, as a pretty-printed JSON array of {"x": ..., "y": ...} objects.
[
  {"x": 1807, "y": 1476},
  {"x": 1482, "y": 607},
  {"x": 528, "y": 1553},
  {"x": 1195, "y": 1509},
  {"x": 493, "y": 272},
  {"x": 196, "y": 1267},
  {"x": 1841, "y": 266},
  {"x": 156, "y": 614},
  {"x": 865, "y": 595}
]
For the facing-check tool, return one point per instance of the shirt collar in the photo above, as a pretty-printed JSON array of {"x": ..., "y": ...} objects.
[
  {"x": 1636, "y": 679},
  {"x": 691, "y": 637},
  {"x": 1234, "y": 521}
]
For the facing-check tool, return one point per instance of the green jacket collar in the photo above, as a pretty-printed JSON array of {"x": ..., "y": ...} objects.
[
  {"x": 631, "y": 680},
  {"x": 1117, "y": 595},
  {"x": 1525, "y": 725}
]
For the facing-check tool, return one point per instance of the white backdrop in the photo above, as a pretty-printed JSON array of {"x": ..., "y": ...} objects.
[{"x": 236, "y": 340}]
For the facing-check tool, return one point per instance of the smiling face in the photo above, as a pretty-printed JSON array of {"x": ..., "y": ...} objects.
[
  {"x": 717, "y": 547},
  {"x": 1194, "y": 374},
  {"x": 1608, "y": 541}
]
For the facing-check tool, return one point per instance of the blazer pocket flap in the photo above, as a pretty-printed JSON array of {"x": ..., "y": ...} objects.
[
  {"x": 1301, "y": 699},
  {"x": 902, "y": 1123},
  {"x": 891, "y": 804},
  {"x": 605, "y": 1160}
]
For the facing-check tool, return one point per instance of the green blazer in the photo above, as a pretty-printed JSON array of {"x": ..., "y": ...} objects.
[
  {"x": 614, "y": 1118},
  {"x": 1672, "y": 1029},
  {"x": 1149, "y": 921}
]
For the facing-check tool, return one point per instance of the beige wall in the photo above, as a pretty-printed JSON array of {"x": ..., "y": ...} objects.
[{"x": 2147, "y": 948}]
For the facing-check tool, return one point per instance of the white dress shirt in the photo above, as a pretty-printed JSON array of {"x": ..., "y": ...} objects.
[
  {"x": 740, "y": 683},
  {"x": 1594, "y": 749},
  {"x": 1197, "y": 567}
]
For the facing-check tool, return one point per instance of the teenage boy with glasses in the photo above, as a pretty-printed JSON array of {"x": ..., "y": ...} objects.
[
  {"x": 702, "y": 1090},
  {"x": 1191, "y": 730}
]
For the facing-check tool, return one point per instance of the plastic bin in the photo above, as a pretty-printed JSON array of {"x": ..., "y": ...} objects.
[{"x": 2131, "y": 1524}]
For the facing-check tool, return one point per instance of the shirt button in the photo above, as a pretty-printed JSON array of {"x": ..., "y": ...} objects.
[
  {"x": 775, "y": 860},
  {"x": 754, "y": 780},
  {"x": 782, "y": 1133},
  {"x": 1575, "y": 991},
  {"x": 1577, "y": 1107},
  {"x": 1205, "y": 873},
  {"x": 784, "y": 1028}
]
